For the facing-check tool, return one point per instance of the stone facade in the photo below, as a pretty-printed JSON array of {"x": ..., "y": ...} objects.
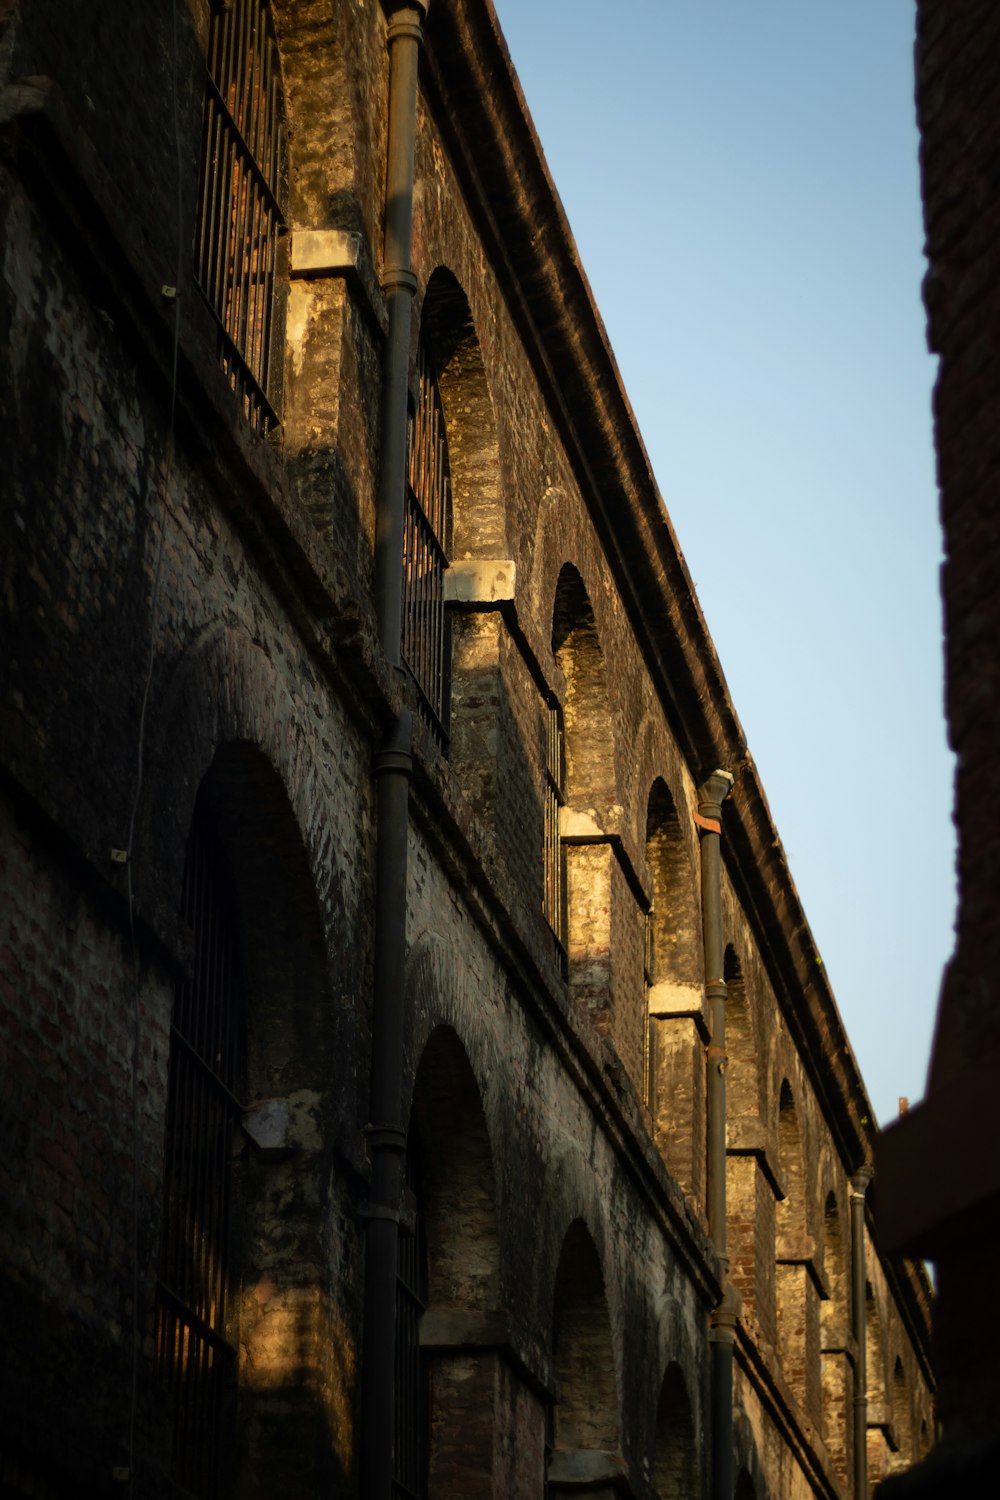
[{"x": 191, "y": 640}]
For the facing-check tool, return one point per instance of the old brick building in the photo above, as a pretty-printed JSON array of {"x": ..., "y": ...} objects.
[
  {"x": 938, "y": 1166},
  {"x": 386, "y": 877}
]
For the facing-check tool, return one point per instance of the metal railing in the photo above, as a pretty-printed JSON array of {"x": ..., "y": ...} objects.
[
  {"x": 195, "y": 1348},
  {"x": 239, "y": 207},
  {"x": 410, "y": 1451},
  {"x": 426, "y": 540},
  {"x": 554, "y": 857}
]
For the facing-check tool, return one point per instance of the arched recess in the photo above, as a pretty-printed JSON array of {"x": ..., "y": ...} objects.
[
  {"x": 795, "y": 1283},
  {"x": 586, "y": 1429},
  {"x": 880, "y": 1436},
  {"x": 675, "y": 1459},
  {"x": 674, "y": 1073},
  {"x": 902, "y": 1419},
  {"x": 751, "y": 1480},
  {"x": 745, "y": 1488},
  {"x": 249, "y": 895},
  {"x": 451, "y": 1226},
  {"x": 837, "y": 1366},
  {"x": 597, "y": 899},
  {"x": 448, "y": 334},
  {"x": 751, "y": 1184},
  {"x": 483, "y": 744}
]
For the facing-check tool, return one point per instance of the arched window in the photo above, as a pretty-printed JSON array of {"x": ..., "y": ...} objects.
[
  {"x": 457, "y": 1257},
  {"x": 240, "y": 213},
  {"x": 837, "y": 1370},
  {"x": 902, "y": 1418},
  {"x": 673, "y": 1056},
  {"x": 586, "y": 1415},
  {"x": 581, "y": 753},
  {"x": 675, "y": 1463},
  {"x": 426, "y": 544},
  {"x": 196, "y": 1337}
]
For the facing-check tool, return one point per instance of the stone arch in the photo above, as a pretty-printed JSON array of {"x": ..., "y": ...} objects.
[
  {"x": 296, "y": 1360},
  {"x": 674, "y": 1075},
  {"x": 457, "y": 1181},
  {"x": 483, "y": 743},
  {"x": 745, "y": 1488},
  {"x": 796, "y": 1344},
  {"x": 225, "y": 690},
  {"x": 742, "y": 1070},
  {"x": 751, "y": 1184},
  {"x": 879, "y": 1424},
  {"x": 595, "y": 899},
  {"x": 902, "y": 1418},
  {"x": 591, "y": 783},
  {"x": 835, "y": 1317},
  {"x": 677, "y": 958},
  {"x": 442, "y": 993},
  {"x": 449, "y": 336},
  {"x": 586, "y": 1426},
  {"x": 751, "y": 1483},
  {"x": 452, "y": 1198},
  {"x": 675, "y": 1457}
]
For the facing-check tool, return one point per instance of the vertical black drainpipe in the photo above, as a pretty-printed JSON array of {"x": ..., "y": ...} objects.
[
  {"x": 723, "y": 1322},
  {"x": 859, "y": 1317},
  {"x": 392, "y": 770}
]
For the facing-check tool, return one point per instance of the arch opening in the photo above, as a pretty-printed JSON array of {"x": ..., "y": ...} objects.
[
  {"x": 586, "y": 1414},
  {"x": 675, "y": 1462}
]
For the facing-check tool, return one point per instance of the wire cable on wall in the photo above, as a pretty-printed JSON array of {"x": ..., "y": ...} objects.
[{"x": 168, "y": 473}]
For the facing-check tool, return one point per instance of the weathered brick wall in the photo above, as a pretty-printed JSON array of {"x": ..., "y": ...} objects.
[{"x": 958, "y": 85}]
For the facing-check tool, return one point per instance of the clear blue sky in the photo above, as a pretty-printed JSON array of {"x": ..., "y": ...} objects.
[{"x": 742, "y": 182}]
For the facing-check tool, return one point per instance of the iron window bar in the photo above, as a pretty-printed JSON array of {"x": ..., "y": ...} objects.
[
  {"x": 239, "y": 206},
  {"x": 648, "y": 980},
  {"x": 554, "y": 857},
  {"x": 426, "y": 542},
  {"x": 195, "y": 1348},
  {"x": 409, "y": 1452}
]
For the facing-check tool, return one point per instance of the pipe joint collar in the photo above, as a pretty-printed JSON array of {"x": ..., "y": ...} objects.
[
  {"x": 390, "y": 761},
  {"x": 725, "y": 1314},
  {"x": 860, "y": 1181},
  {"x": 716, "y": 989},
  {"x": 398, "y": 279},
  {"x": 713, "y": 792},
  {"x": 386, "y": 1138},
  {"x": 407, "y": 21}
]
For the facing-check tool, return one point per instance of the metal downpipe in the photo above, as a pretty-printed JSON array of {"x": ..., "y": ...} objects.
[
  {"x": 386, "y": 1131},
  {"x": 722, "y": 1330},
  {"x": 859, "y": 1329}
]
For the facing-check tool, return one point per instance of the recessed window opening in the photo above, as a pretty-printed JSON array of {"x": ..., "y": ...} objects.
[
  {"x": 195, "y": 1333},
  {"x": 240, "y": 213},
  {"x": 426, "y": 546},
  {"x": 648, "y": 980},
  {"x": 554, "y": 857}
]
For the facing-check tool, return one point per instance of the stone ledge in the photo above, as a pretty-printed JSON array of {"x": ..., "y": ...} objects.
[
  {"x": 751, "y": 1137},
  {"x": 480, "y": 582},
  {"x": 800, "y": 1250},
  {"x": 585, "y": 1468},
  {"x": 461, "y": 1330},
  {"x": 318, "y": 254}
]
